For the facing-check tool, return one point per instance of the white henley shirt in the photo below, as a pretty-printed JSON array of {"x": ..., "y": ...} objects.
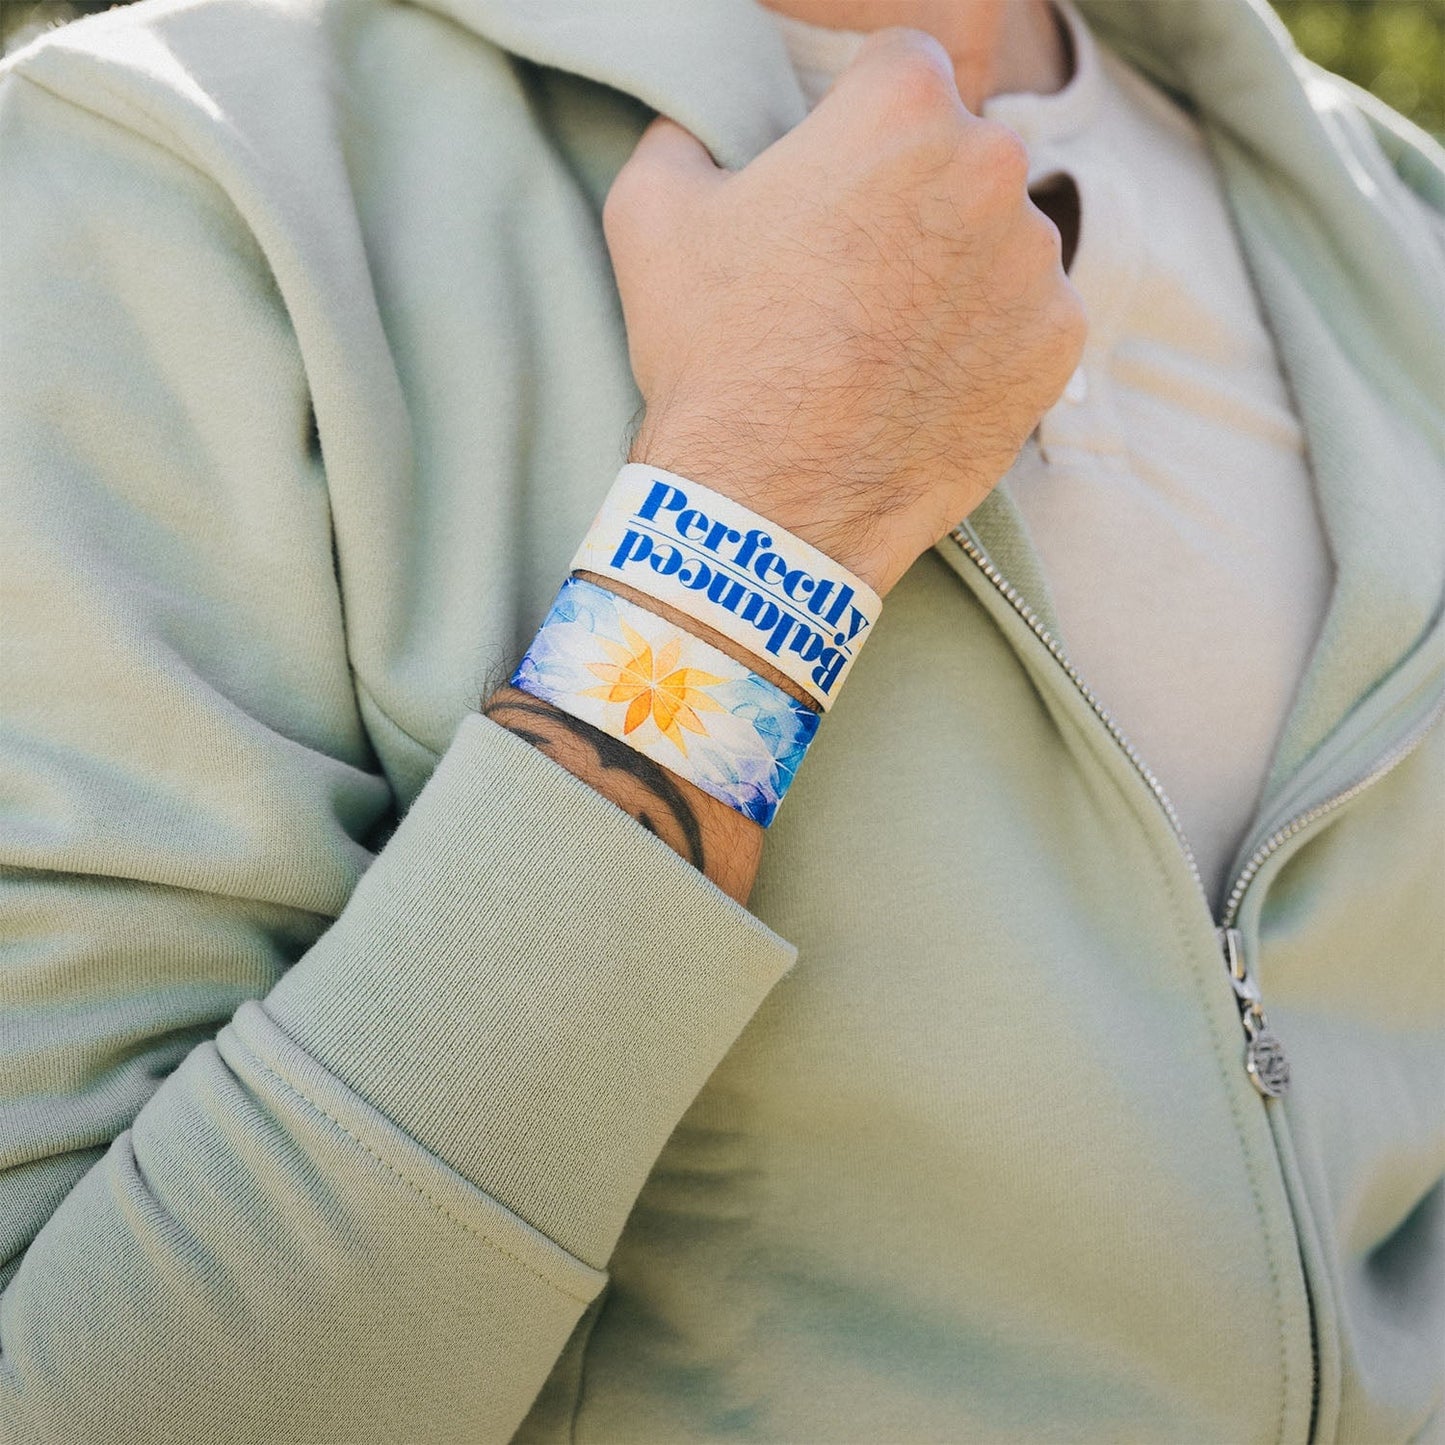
[{"x": 1167, "y": 493}]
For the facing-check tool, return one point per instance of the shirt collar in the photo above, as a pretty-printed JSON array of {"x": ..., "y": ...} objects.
[
  {"x": 1040, "y": 119},
  {"x": 819, "y": 53}
]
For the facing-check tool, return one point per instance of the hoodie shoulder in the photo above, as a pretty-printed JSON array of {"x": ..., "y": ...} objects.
[
  {"x": 221, "y": 82},
  {"x": 167, "y": 69},
  {"x": 272, "y": 101}
]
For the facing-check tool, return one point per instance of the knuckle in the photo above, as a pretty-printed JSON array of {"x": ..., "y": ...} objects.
[
  {"x": 919, "y": 74},
  {"x": 1070, "y": 322},
  {"x": 1071, "y": 305},
  {"x": 1042, "y": 238},
  {"x": 1000, "y": 157}
]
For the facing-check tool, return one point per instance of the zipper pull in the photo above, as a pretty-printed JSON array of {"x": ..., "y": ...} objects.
[{"x": 1265, "y": 1060}]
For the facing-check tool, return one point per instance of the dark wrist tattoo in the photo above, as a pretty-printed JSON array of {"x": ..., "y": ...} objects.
[{"x": 542, "y": 725}]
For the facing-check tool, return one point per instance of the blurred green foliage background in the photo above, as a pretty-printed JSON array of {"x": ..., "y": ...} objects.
[{"x": 1395, "y": 48}]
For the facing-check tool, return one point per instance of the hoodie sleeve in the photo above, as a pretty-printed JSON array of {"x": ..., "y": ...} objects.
[{"x": 301, "y": 1139}]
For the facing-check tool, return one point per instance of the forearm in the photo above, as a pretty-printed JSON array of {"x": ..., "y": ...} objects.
[
  {"x": 716, "y": 840},
  {"x": 862, "y": 409}
]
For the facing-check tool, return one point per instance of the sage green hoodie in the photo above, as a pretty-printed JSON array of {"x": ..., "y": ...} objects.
[{"x": 366, "y": 1077}]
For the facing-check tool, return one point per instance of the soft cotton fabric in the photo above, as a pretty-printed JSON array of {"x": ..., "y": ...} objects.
[
  {"x": 1167, "y": 492},
  {"x": 366, "y": 1077}
]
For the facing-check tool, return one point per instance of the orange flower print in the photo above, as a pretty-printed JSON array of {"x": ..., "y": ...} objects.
[{"x": 653, "y": 685}]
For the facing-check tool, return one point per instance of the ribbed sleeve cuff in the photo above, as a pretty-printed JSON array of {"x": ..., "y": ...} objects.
[{"x": 531, "y": 985}]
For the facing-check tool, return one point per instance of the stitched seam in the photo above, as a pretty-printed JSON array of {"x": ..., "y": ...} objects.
[
  {"x": 582, "y": 1363},
  {"x": 436, "y": 1204},
  {"x": 117, "y": 123}
]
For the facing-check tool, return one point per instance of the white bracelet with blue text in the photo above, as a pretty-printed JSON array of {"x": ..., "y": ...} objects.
[{"x": 711, "y": 558}]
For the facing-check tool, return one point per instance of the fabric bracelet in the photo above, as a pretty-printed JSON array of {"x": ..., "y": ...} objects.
[
  {"x": 711, "y": 558},
  {"x": 673, "y": 697}
]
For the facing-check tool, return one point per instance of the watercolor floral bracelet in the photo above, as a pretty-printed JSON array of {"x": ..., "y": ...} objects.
[{"x": 673, "y": 697}]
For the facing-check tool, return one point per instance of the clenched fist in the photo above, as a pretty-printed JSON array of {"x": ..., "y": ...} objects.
[{"x": 854, "y": 334}]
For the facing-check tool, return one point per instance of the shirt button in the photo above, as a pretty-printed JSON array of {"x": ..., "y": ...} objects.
[{"x": 1077, "y": 389}]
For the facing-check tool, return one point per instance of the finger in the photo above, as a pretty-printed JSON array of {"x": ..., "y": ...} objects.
[{"x": 898, "y": 71}]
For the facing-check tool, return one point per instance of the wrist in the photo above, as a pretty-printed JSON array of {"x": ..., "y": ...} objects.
[
  {"x": 720, "y": 563},
  {"x": 716, "y": 839},
  {"x": 700, "y": 634},
  {"x": 865, "y": 540}
]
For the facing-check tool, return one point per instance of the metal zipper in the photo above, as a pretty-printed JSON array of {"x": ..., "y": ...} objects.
[
  {"x": 1388, "y": 763},
  {"x": 1265, "y": 1059}
]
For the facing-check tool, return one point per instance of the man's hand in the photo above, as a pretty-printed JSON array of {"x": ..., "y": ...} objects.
[{"x": 854, "y": 334}]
